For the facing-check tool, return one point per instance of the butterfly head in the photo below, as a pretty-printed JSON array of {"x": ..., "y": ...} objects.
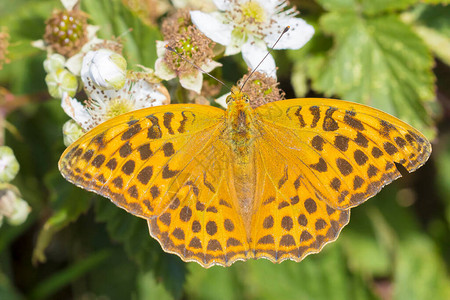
[{"x": 237, "y": 98}]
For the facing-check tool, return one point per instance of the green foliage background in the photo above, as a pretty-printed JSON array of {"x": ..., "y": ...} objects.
[{"x": 393, "y": 55}]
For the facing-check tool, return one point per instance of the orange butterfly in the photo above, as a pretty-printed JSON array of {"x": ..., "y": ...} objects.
[{"x": 217, "y": 186}]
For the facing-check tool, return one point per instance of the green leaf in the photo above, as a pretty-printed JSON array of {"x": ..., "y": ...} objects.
[
  {"x": 420, "y": 271},
  {"x": 215, "y": 283},
  {"x": 380, "y": 62},
  {"x": 367, "y": 252},
  {"x": 442, "y": 157},
  {"x": 7, "y": 290},
  {"x": 322, "y": 276},
  {"x": 436, "y": 1},
  {"x": 68, "y": 201},
  {"x": 140, "y": 246},
  {"x": 302, "y": 58},
  {"x": 435, "y": 17},
  {"x": 365, "y": 6},
  {"x": 115, "y": 19},
  {"x": 24, "y": 20},
  {"x": 150, "y": 288},
  {"x": 55, "y": 282},
  {"x": 379, "y": 6},
  {"x": 432, "y": 24},
  {"x": 338, "y": 5}
]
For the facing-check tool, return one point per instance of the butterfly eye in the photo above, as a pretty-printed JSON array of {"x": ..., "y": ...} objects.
[{"x": 228, "y": 100}]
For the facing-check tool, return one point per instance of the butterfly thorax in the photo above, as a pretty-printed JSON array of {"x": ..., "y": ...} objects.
[
  {"x": 240, "y": 134},
  {"x": 240, "y": 131}
]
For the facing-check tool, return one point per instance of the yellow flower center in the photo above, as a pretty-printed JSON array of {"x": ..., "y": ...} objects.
[
  {"x": 253, "y": 11},
  {"x": 117, "y": 107}
]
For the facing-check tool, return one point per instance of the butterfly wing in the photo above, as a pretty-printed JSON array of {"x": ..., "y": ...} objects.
[
  {"x": 318, "y": 158},
  {"x": 347, "y": 150},
  {"x": 165, "y": 164},
  {"x": 290, "y": 221}
]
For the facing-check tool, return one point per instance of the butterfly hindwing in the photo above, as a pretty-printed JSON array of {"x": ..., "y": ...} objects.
[
  {"x": 202, "y": 223},
  {"x": 289, "y": 221}
]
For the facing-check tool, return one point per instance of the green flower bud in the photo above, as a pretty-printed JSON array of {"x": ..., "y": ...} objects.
[
  {"x": 12, "y": 207},
  {"x": 71, "y": 131},
  {"x": 9, "y": 166},
  {"x": 105, "y": 68},
  {"x": 54, "y": 62},
  {"x": 61, "y": 81}
]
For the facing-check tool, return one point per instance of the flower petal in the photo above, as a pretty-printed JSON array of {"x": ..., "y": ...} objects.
[
  {"x": 297, "y": 36},
  {"x": 222, "y": 100},
  {"x": 74, "y": 63},
  {"x": 161, "y": 48},
  {"x": 212, "y": 26},
  {"x": 253, "y": 55},
  {"x": 222, "y": 4},
  {"x": 105, "y": 68},
  {"x": 163, "y": 71},
  {"x": 69, "y": 4},
  {"x": 210, "y": 65},
  {"x": 238, "y": 38},
  {"x": 192, "y": 81},
  {"x": 75, "y": 110},
  {"x": 40, "y": 44},
  {"x": 269, "y": 6},
  {"x": 147, "y": 94}
]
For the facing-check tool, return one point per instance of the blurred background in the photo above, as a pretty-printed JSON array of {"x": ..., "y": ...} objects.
[{"x": 393, "y": 55}]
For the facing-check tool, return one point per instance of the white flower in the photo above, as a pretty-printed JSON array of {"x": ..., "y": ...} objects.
[
  {"x": 192, "y": 80},
  {"x": 249, "y": 26},
  {"x": 9, "y": 166},
  {"x": 138, "y": 92},
  {"x": 106, "y": 68}
]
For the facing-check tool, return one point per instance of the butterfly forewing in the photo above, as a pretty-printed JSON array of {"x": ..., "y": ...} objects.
[{"x": 167, "y": 165}]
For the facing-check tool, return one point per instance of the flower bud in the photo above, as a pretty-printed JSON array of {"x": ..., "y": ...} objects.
[
  {"x": 105, "y": 68},
  {"x": 61, "y": 81},
  {"x": 71, "y": 132},
  {"x": 14, "y": 208},
  {"x": 54, "y": 62},
  {"x": 9, "y": 166}
]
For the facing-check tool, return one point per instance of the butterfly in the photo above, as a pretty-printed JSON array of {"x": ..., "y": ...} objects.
[{"x": 274, "y": 182}]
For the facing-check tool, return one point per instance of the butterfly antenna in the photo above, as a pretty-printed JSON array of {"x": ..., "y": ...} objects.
[
  {"x": 286, "y": 29},
  {"x": 197, "y": 67}
]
